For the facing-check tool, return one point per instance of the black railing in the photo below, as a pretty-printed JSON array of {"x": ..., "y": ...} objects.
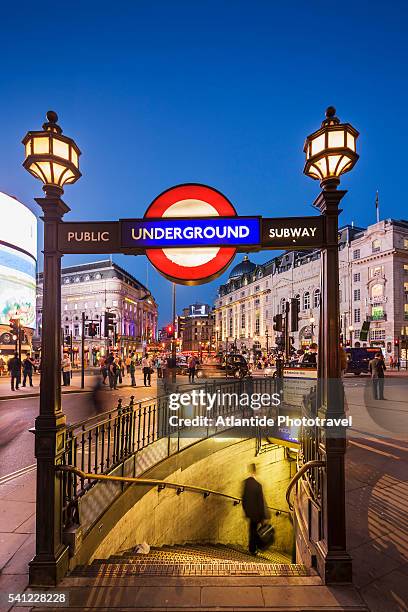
[{"x": 103, "y": 442}]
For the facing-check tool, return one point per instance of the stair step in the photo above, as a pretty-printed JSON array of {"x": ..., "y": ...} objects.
[{"x": 227, "y": 568}]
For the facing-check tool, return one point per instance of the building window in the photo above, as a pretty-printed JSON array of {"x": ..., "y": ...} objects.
[
  {"x": 306, "y": 300},
  {"x": 76, "y": 330},
  {"x": 376, "y": 246},
  {"x": 357, "y": 295},
  {"x": 77, "y": 279},
  {"x": 242, "y": 319},
  {"x": 257, "y": 325},
  {"x": 356, "y": 277},
  {"x": 377, "y": 291},
  {"x": 405, "y": 243},
  {"x": 357, "y": 315},
  {"x": 340, "y": 295},
  {"x": 256, "y": 288},
  {"x": 76, "y": 306},
  {"x": 356, "y": 334},
  {"x": 405, "y": 311},
  {"x": 256, "y": 302},
  {"x": 356, "y": 254},
  {"x": 377, "y": 334},
  {"x": 406, "y": 287},
  {"x": 65, "y": 306},
  {"x": 97, "y": 276},
  {"x": 66, "y": 281},
  {"x": 114, "y": 302},
  {"x": 316, "y": 298}
]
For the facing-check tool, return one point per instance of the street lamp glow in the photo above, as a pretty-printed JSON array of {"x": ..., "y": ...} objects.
[
  {"x": 330, "y": 151},
  {"x": 312, "y": 320},
  {"x": 50, "y": 156}
]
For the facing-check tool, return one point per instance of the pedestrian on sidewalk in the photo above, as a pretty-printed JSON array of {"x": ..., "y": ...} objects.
[
  {"x": 127, "y": 363},
  {"x": 377, "y": 369},
  {"x": 253, "y": 503},
  {"x": 104, "y": 370},
  {"x": 66, "y": 371},
  {"x": 192, "y": 364},
  {"x": 28, "y": 367},
  {"x": 113, "y": 374},
  {"x": 132, "y": 371},
  {"x": 14, "y": 367},
  {"x": 147, "y": 370}
]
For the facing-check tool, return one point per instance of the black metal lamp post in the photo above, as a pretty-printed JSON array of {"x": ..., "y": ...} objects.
[
  {"x": 330, "y": 152},
  {"x": 54, "y": 159},
  {"x": 267, "y": 341},
  {"x": 312, "y": 322}
]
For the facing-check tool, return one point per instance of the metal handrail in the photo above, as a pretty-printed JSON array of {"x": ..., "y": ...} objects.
[
  {"x": 305, "y": 468},
  {"x": 161, "y": 484}
]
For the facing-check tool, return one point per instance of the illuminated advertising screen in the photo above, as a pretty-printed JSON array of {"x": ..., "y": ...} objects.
[
  {"x": 17, "y": 287},
  {"x": 18, "y": 250}
]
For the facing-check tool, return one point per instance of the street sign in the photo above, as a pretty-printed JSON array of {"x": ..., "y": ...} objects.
[
  {"x": 185, "y": 265},
  {"x": 293, "y": 233},
  {"x": 89, "y": 237},
  {"x": 191, "y": 232}
]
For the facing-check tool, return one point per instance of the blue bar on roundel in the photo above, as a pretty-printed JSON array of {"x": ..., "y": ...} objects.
[{"x": 173, "y": 232}]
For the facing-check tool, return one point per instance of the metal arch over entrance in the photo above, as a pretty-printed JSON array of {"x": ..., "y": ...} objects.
[{"x": 321, "y": 529}]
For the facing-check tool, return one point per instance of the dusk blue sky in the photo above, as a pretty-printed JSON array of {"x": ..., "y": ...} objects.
[{"x": 157, "y": 93}]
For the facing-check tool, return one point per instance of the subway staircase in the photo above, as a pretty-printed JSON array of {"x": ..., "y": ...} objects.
[
  {"x": 193, "y": 560},
  {"x": 202, "y": 577}
]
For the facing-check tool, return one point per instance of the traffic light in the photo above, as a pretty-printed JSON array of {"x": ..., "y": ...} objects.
[
  {"x": 14, "y": 326},
  {"x": 109, "y": 323},
  {"x": 278, "y": 323},
  {"x": 396, "y": 341},
  {"x": 92, "y": 329},
  {"x": 170, "y": 331},
  {"x": 294, "y": 314}
]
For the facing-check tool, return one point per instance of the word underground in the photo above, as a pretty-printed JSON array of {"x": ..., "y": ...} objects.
[{"x": 190, "y": 232}]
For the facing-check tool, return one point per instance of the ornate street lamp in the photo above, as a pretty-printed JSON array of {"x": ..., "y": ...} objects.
[
  {"x": 53, "y": 159},
  {"x": 330, "y": 151}
]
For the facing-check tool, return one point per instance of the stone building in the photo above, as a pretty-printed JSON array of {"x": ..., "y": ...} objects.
[
  {"x": 198, "y": 329},
  {"x": 94, "y": 288},
  {"x": 373, "y": 287}
]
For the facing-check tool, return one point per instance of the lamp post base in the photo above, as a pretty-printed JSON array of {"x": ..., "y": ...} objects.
[
  {"x": 333, "y": 567},
  {"x": 45, "y": 570}
]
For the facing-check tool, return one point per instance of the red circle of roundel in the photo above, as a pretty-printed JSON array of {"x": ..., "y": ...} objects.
[{"x": 191, "y": 274}]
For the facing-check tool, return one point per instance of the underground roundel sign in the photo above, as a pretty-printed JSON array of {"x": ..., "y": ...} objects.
[{"x": 191, "y": 266}]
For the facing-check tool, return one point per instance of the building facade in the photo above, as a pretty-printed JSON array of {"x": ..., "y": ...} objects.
[
  {"x": 373, "y": 276},
  {"x": 197, "y": 330},
  {"x": 94, "y": 288},
  {"x": 18, "y": 261}
]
